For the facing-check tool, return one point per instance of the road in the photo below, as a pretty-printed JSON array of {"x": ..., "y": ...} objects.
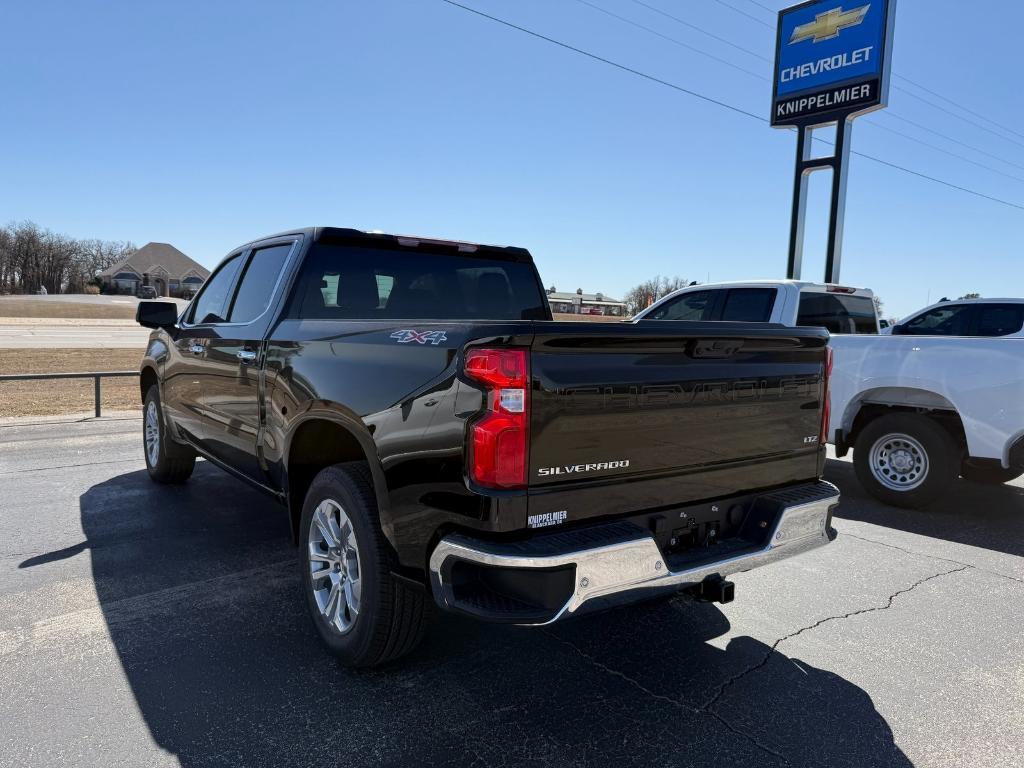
[
  {"x": 82, "y": 334},
  {"x": 143, "y": 625}
]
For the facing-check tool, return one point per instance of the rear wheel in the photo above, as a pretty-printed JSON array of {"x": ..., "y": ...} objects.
[
  {"x": 905, "y": 459},
  {"x": 167, "y": 461},
  {"x": 989, "y": 475},
  {"x": 363, "y": 612}
]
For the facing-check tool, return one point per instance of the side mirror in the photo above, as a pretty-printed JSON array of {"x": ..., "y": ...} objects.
[{"x": 157, "y": 314}]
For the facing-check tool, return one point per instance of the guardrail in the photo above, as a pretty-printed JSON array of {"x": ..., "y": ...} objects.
[{"x": 96, "y": 376}]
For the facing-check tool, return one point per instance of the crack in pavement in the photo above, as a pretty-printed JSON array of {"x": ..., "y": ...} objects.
[
  {"x": 771, "y": 651},
  {"x": 668, "y": 699},
  {"x": 933, "y": 557}
]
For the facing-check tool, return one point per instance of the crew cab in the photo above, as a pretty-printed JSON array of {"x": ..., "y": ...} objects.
[
  {"x": 437, "y": 439},
  {"x": 838, "y": 308}
]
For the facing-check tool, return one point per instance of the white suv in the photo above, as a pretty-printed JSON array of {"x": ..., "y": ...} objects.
[{"x": 965, "y": 317}]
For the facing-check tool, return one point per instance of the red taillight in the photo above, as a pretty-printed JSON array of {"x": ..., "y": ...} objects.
[
  {"x": 826, "y": 410},
  {"x": 499, "y": 439}
]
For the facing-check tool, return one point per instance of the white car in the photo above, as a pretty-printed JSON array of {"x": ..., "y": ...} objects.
[
  {"x": 920, "y": 410},
  {"x": 838, "y": 308},
  {"x": 965, "y": 317}
]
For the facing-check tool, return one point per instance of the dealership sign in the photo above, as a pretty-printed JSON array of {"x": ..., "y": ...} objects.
[{"x": 831, "y": 60}]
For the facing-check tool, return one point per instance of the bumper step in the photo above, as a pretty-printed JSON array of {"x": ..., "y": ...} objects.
[{"x": 541, "y": 580}]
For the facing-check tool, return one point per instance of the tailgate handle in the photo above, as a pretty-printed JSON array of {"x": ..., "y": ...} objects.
[{"x": 716, "y": 348}]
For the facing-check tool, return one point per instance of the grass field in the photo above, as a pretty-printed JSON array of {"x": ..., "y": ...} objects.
[{"x": 48, "y": 398}]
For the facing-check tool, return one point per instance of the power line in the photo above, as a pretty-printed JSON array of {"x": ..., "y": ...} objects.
[
  {"x": 958, "y": 117},
  {"x": 946, "y": 152},
  {"x": 603, "y": 60},
  {"x": 741, "y": 12},
  {"x": 941, "y": 135},
  {"x": 673, "y": 40},
  {"x": 960, "y": 106},
  {"x": 766, "y": 79},
  {"x": 703, "y": 31},
  {"x": 711, "y": 100}
]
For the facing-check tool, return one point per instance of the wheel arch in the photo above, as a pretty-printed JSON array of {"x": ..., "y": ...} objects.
[
  {"x": 148, "y": 377},
  {"x": 873, "y": 403},
  {"x": 319, "y": 440}
]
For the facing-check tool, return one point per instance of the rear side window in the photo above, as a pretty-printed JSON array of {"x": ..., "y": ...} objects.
[
  {"x": 942, "y": 321},
  {"x": 1000, "y": 319},
  {"x": 748, "y": 305},
  {"x": 838, "y": 312},
  {"x": 258, "y": 282},
  {"x": 689, "y": 306},
  {"x": 352, "y": 282},
  {"x": 210, "y": 306}
]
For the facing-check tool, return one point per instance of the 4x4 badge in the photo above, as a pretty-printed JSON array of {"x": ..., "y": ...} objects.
[{"x": 420, "y": 337}]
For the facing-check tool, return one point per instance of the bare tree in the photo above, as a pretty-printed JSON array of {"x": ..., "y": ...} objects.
[
  {"x": 971, "y": 296},
  {"x": 32, "y": 258},
  {"x": 641, "y": 296}
]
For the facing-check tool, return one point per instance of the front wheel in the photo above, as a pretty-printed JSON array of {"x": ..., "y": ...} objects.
[
  {"x": 167, "y": 461},
  {"x": 364, "y": 614},
  {"x": 904, "y": 459}
]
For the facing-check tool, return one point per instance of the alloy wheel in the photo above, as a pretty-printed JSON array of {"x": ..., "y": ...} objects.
[{"x": 334, "y": 569}]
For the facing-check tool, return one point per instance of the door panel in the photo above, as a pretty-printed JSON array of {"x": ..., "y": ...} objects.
[
  {"x": 184, "y": 368},
  {"x": 229, "y": 398}
]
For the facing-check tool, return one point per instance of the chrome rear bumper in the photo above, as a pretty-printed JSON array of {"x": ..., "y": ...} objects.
[{"x": 633, "y": 567}]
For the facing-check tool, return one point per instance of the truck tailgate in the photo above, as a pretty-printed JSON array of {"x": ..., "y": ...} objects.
[{"x": 672, "y": 399}]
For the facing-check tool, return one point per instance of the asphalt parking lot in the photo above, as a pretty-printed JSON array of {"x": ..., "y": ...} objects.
[{"x": 142, "y": 625}]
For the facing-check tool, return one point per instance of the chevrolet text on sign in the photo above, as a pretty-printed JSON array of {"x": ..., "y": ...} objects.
[{"x": 831, "y": 58}]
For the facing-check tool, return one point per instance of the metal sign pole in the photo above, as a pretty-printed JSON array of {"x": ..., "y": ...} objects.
[
  {"x": 834, "y": 255},
  {"x": 796, "y": 224}
]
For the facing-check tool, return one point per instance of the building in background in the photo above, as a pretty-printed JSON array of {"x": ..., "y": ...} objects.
[
  {"x": 581, "y": 303},
  {"x": 161, "y": 265}
]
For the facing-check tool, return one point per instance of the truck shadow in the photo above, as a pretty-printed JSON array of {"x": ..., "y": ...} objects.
[
  {"x": 199, "y": 590},
  {"x": 987, "y": 516}
]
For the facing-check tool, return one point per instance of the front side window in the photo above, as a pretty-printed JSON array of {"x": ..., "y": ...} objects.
[
  {"x": 1000, "y": 319},
  {"x": 749, "y": 305},
  {"x": 258, "y": 281},
  {"x": 210, "y": 307},
  {"x": 941, "y": 321},
  {"x": 689, "y": 306}
]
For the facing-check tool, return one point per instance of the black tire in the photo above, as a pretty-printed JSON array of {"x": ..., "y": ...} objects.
[
  {"x": 989, "y": 475},
  {"x": 173, "y": 462},
  {"x": 940, "y": 467},
  {"x": 392, "y": 611}
]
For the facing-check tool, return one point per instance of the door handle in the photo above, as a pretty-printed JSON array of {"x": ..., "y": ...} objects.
[
  {"x": 246, "y": 355},
  {"x": 196, "y": 349}
]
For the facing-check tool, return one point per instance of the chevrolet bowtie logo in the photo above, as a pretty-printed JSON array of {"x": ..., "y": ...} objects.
[{"x": 827, "y": 25}]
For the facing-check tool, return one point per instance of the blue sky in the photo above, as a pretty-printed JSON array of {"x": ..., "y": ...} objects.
[{"x": 207, "y": 124}]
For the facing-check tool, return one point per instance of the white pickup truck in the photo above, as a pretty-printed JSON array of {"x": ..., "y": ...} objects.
[
  {"x": 917, "y": 410},
  {"x": 788, "y": 302},
  {"x": 942, "y": 396}
]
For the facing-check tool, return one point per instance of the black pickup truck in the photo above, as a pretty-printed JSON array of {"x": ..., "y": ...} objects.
[{"x": 436, "y": 437}]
